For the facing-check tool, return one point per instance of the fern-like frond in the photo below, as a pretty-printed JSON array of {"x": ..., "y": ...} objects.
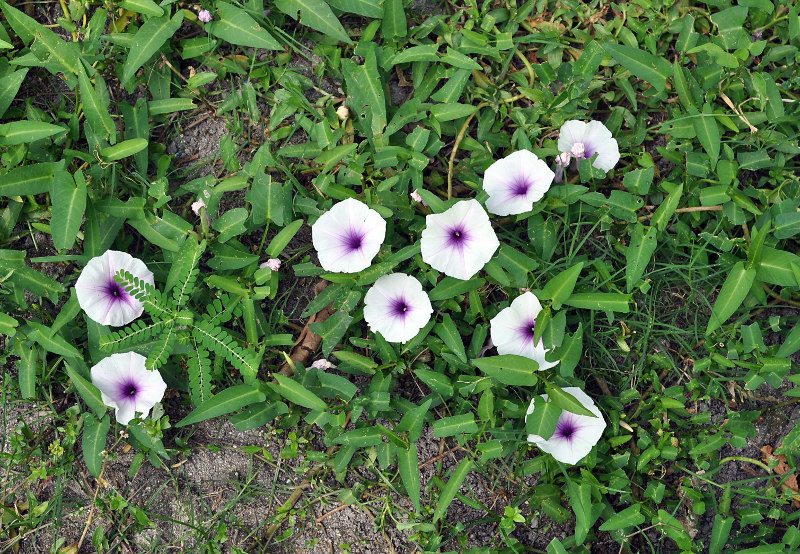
[
  {"x": 184, "y": 272},
  {"x": 155, "y": 303},
  {"x": 161, "y": 349},
  {"x": 184, "y": 288},
  {"x": 135, "y": 333},
  {"x": 199, "y": 367},
  {"x": 221, "y": 343},
  {"x": 221, "y": 310}
]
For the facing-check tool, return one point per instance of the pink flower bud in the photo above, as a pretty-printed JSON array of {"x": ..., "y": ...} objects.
[
  {"x": 322, "y": 364},
  {"x": 197, "y": 205},
  {"x": 415, "y": 196},
  {"x": 204, "y": 16},
  {"x": 273, "y": 263}
]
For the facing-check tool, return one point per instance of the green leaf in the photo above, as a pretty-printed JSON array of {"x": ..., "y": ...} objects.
[
  {"x": 566, "y": 401},
  {"x": 365, "y": 93},
  {"x": 450, "y": 287},
  {"x": 266, "y": 198},
  {"x": 509, "y": 369},
  {"x": 9, "y": 86},
  {"x": 439, "y": 383},
  {"x": 169, "y": 105},
  {"x": 720, "y": 533},
  {"x": 230, "y": 224},
  {"x": 413, "y": 420},
  {"x": 8, "y": 325},
  {"x": 29, "y": 179},
  {"x": 394, "y": 19},
  {"x": 544, "y": 418},
  {"x": 455, "y": 425},
  {"x": 639, "y": 180},
  {"x": 734, "y": 290},
  {"x": 629, "y": 517},
  {"x": 123, "y": 149},
  {"x": 258, "y": 415},
  {"x": 24, "y": 131},
  {"x": 296, "y": 393},
  {"x": 605, "y": 301},
  {"x": 361, "y": 437},
  {"x": 570, "y": 352},
  {"x": 315, "y": 14},
  {"x": 641, "y": 64},
  {"x": 27, "y": 367},
  {"x": 93, "y": 442},
  {"x": 791, "y": 343},
  {"x": 68, "y": 199},
  {"x": 147, "y": 7},
  {"x": 187, "y": 258},
  {"x": 352, "y": 361},
  {"x": 224, "y": 402},
  {"x": 640, "y": 250},
  {"x": 237, "y": 27},
  {"x": 705, "y": 125},
  {"x": 148, "y": 40},
  {"x": 451, "y": 488},
  {"x": 42, "y": 335},
  {"x": 94, "y": 109},
  {"x": 367, "y": 8},
  {"x": 332, "y": 330},
  {"x": 560, "y": 287},
  {"x": 775, "y": 267},
  {"x": 449, "y": 112},
  {"x": 408, "y": 465},
  {"x": 446, "y": 330},
  {"x": 87, "y": 391},
  {"x": 282, "y": 239},
  {"x": 786, "y": 225},
  {"x": 664, "y": 212}
]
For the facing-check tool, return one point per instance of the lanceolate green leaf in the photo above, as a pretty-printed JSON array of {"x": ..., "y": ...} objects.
[
  {"x": 87, "y": 391},
  {"x": 641, "y": 64},
  {"x": 9, "y": 86},
  {"x": 283, "y": 238},
  {"x": 606, "y": 301},
  {"x": 24, "y": 131},
  {"x": 452, "y": 338},
  {"x": 640, "y": 250},
  {"x": 720, "y": 533},
  {"x": 629, "y": 517},
  {"x": 367, "y": 8},
  {"x": 237, "y": 27},
  {"x": 733, "y": 292},
  {"x": 93, "y": 442},
  {"x": 27, "y": 365},
  {"x": 451, "y": 488},
  {"x": 394, "y": 19},
  {"x": 667, "y": 208},
  {"x": 365, "y": 91},
  {"x": 123, "y": 149},
  {"x": 149, "y": 38},
  {"x": 566, "y": 401},
  {"x": 224, "y": 402},
  {"x": 705, "y": 125},
  {"x": 408, "y": 464},
  {"x": 509, "y": 369},
  {"x": 29, "y": 179},
  {"x": 315, "y": 14},
  {"x": 68, "y": 198},
  {"x": 560, "y": 287},
  {"x": 294, "y": 392},
  {"x": 95, "y": 111}
]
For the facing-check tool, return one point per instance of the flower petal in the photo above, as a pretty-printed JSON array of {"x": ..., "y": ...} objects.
[
  {"x": 516, "y": 182},
  {"x": 510, "y": 330},
  {"x": 599, "y": 140},
  {"x": 117, "y": 373},
  {"x": 348, "y": 236},
  {"x": 571, "y": 132},
  {"x": 459, "y": 241},
  {"x": 397, "y": 307}
]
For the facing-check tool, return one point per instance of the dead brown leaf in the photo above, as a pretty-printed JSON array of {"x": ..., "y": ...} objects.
[{"x": 307, "y": 341}]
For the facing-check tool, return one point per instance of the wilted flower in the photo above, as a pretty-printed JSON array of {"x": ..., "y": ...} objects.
[
  {"x": 348, "y": 236},
  {"x": 197, "y": 205},
  {"x": 459, "y": 241},
  {"x": 273, "y": 263},
  {"x": 575, "y": 435},
  {"x": 397, "y": 307},
  {"x": 512, "y": 330},
  {"x": 583, "y": 140},
  {"x": 562, "y": 160},
  {"x": 516, "y": 182},
  {"x": 204, "y": 16},
  {"x": 342, "y": 112},
  {"x": 415, "y": 196},
  {"x": 322, "y": 364},
  {"x": 127, "y": 386},
  {"x": 101, "y": 297}
]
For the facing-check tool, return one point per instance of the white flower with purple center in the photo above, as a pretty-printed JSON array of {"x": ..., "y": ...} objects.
[
  {"x": 348, "y": 236},
  {"x": 101, "y": 297},
  {"x": 583, "y": 140},
  {"x": 397, "y": 307},
  {"x": 127, "y": 385},
  {"x": 513, "y": 329},
  {"x": 459, "y": 241},
  {"x": 575, "y": 435},
  {"x": 516, "y": 182}
]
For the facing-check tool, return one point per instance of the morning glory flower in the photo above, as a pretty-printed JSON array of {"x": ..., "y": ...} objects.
[
  {"x": 516, "y": 182},
  {"x": 583, "y": 140},
  {"x": 397, "y": 307},
  {"x": 127, "y": 386},
  {"x": 575, "y": 435},
  {"x": 100, "y": 295},
  {"x": 348, "y": 236},
  {"x": 459, "y": 241},
  {"x": 513, "y": 328}
]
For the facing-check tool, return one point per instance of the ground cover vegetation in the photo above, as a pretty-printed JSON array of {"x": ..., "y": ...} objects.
[{"x": 503, "y": 277}]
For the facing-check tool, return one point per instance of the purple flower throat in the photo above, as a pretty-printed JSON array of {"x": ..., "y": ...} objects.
[
  {"x": 458, "y": 236},
  {"x": 565, "y": 428},
  {"x": 128, "y": 390},
  {"x": 520, "y": 187},
  {"x": 354, "y": 240},
  {"x": 115, "y": 291},
  {"x": 400, "y": 308}
]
